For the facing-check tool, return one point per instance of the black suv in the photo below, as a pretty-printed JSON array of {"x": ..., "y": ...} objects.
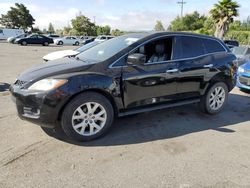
[{"x": 126, "y": 75}]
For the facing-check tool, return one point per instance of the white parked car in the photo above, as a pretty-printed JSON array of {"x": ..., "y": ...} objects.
[
  {"x": 67, "y": 41},
  {"x": 69, "y": 53},
  {"x": 103, "y": 38}
]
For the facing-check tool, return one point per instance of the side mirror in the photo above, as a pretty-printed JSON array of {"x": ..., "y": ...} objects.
[{"x": 136, "y": 59}]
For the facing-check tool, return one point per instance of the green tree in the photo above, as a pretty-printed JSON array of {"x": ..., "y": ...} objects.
[
  {"x": 159, "y": 26},
  {"x": 66, "y": 30},
  {"x": 105, "y": 30},
  {"x": 236, "y": 25},
  {"x": 83, "y": 26},
  {"x": 37, "y": 30},
  {"x": 51, "y": 28},
  {"x": 17, "y": 17},
  {"x": 223, "y": 14},
  {"x": 245, "y": 25},
  {"x": 116, "y": 32},
  {"x": 190, "y": 22}
]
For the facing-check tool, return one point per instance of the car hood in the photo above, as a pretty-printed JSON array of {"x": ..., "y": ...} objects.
[
  {"x": 53, "y": 68},
  {"x": 59, "y": 54}
]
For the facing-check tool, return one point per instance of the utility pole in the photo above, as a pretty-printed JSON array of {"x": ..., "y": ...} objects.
[
  {"x": 182, "y": 6},
  {"x": 94, "y": 19}
]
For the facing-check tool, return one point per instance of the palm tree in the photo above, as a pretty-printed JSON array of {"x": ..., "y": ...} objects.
[{"x": 223, "y": 14}]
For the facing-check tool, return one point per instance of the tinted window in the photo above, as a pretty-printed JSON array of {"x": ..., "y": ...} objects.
[
  {"x": 191, "y": 47},
  {"x": 213, "y": 46},
  {"x": 1, "y": 31},
  {"x": 33, "y": 36}
]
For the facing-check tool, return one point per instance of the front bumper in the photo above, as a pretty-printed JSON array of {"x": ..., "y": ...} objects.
[
  {"x": 243, "y": 81},
  {"x": 41, "y": 108}
]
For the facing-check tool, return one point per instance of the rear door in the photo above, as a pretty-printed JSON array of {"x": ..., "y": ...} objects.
[
  {"x": 67, "y": 40},
  {"x": 196, "y": 62},
  {"x": 40, "y": 39},
  {"x": 32, "y": 39}
]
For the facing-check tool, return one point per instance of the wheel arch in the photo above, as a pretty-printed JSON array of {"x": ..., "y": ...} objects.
[
  {"x": 220, "y": 77},
  {"x": 96, "y": 90}
]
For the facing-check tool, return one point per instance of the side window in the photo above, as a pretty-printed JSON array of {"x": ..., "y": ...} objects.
[
  {"x": 67, "y": 38},
  {"x": 191, "y": 47},
  {"x": 157, "y": 51},
  {"x": 1, "y": 31},
  {"x": 213, "y": 46}
]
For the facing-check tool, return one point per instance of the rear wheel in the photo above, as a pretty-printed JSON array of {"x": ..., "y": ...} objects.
[
  {"x": 46, "y": 44},
  {"x": 87, "y": 117},
  {"x": 77, "y": 43},
  {"x": 215, "y": 98},
  {"x": 60, "y": 43}
]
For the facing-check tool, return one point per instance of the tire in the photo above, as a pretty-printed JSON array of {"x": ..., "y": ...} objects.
[
  {"x": 77, "y": 43},
  {"x": 46, "y": 44},
  {"x": 79, "y": 129},
  {"x": 214, "y": 105},
  {"x": 24, "y": 43},
  {"x": 60, "y": 43}
]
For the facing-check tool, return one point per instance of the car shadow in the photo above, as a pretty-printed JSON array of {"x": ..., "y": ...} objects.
[
  {"x": 4, "y": 87},
  {"x": 169, "y": 123}
]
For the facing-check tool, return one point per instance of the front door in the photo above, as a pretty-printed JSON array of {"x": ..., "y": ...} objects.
[{"x": 155, "y": 81}]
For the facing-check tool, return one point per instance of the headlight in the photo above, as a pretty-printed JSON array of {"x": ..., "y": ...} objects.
[
  {"x": 47, "y": 84},
  {"x": 240, "y": 69}
]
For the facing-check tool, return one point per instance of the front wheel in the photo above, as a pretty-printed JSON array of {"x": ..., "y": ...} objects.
[
  {"x": 24, "y": 43},
  {"x": 89, "y": 116},
  {"x": 77, "y": 43},
  {"x": 215, "y": 98}
]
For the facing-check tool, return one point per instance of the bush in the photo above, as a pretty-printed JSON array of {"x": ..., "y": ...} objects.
[{"x": 242, "y": 36}]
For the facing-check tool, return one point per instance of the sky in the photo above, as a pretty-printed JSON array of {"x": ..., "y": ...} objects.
[{"x": 129, "y": 15}]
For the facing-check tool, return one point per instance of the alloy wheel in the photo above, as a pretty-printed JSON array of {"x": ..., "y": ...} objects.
[
  {"x": 89, "y": 118},
  {"x": 217, "y": 98}
]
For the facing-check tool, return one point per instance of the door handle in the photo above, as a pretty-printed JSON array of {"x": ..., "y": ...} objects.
[
  {"x": 172, "y": 70},
  {"x": 208, "y": 66}
]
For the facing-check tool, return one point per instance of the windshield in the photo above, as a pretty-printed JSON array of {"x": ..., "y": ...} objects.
[
  {"x": 109, "y": 48},
  {"x": 87, "y": 46}
]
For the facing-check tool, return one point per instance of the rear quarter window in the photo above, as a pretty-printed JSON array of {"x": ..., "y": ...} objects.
[{"x": 213, "y": 46}]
